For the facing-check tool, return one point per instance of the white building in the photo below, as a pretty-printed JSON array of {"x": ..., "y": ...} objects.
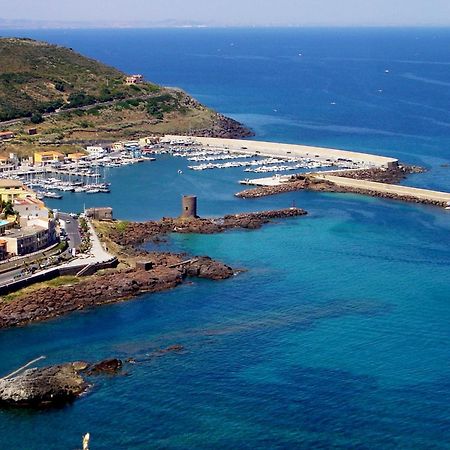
[{"x": 96, "y": 151}]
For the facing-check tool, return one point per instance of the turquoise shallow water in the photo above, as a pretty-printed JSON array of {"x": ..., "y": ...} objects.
[{"x": 337, "y": 334}]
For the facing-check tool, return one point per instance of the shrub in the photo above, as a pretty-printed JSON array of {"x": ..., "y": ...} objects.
[
  {"x": 60, "y": 86},
  {"x": 37, "y": 118}
]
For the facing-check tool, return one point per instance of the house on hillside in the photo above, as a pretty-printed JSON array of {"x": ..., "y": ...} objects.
[
  {"x": 5, "y": 135},
  {"x": 6, "y": 164},
  {"x": 75, "y": 157},
  {"x": 134, "y": 79}
]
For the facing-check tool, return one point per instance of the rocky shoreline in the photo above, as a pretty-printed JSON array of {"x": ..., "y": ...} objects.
[
  {"x": 159, "y": 271},
  {"x": 308, "y": 182},
  {"x": 110, "y": 287},
  {"x": 266, "y": 191},
  {"x": 225, "y": 128},
  {"x": 136, "y": 233}
]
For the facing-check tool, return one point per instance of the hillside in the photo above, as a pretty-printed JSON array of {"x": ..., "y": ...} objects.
[
  {"x": 39, "y": 77},
  {"x": 84, "y": 100}
]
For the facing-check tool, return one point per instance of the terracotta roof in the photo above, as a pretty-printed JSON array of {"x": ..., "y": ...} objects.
[{"x": 10, "y": 183}]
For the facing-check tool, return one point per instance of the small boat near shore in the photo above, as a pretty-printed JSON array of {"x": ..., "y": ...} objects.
[{"x": 54, "y": 195}]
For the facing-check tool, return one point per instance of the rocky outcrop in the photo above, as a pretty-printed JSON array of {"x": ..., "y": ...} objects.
[
  {"x": 205, "y": 267},
  {"x": 266, "y": 191},
  {"x": 107, "y": 367},
  {"x": 40, "y": 387},
  {"x": 168, "y": 272},
  {"x": 223, "y": 127},
  {"x": 380, "y": 175},
  {"x": 138, "y": 232},
  {"x": 53, "y": 385}
]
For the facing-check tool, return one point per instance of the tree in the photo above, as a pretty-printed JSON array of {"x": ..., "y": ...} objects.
[
  {"x": 37, "y": 118},
  {"x": 8, "y": 208}
]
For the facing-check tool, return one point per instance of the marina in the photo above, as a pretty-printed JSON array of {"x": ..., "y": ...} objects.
[
  {"x": 211, "y": 154},
  {"x": 330, "y": 156},
  {"x": 86, "y": 176}
]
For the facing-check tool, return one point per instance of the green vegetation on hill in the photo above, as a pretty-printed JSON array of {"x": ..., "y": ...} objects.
[
  {"x": 70, "y": 101},
  {"x": 36, "y": 77}
]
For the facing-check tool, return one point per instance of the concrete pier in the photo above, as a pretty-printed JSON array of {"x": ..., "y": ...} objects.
[
  {"x": 273, "y": 149},
  {"x": 421, "y": 195}
]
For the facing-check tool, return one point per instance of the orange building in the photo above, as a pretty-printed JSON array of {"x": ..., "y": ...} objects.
[{"x": 47, "y": 157}]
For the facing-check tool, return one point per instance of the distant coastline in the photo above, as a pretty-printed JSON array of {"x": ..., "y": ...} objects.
[{"x": 29, "y": 24}]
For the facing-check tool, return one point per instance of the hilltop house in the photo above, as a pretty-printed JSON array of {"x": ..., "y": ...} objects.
[{"x": 134, "y": 79}]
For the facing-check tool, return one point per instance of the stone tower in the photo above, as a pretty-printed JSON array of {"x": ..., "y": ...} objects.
[{"x": 189, "y": 206}]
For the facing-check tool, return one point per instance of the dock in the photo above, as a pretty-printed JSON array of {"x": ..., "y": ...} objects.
[
  {"x": 267, "y": 181},
  {"x": 273, "y": 149}
]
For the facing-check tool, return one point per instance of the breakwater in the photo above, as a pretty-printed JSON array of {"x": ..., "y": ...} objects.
[
  {"x": 273, "y": 149},
  {"x": 332, "y": 183},
  {"x": 372, "y": 182}
]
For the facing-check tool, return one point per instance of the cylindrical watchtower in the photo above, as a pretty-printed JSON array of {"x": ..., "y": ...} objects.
[{"x": 189, "y": 206}]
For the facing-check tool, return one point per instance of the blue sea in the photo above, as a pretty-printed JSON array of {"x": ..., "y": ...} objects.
[{"x": 337, "y": 334}]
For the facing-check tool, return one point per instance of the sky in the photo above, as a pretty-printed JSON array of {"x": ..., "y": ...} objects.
[{"x": 235, "y": 12}]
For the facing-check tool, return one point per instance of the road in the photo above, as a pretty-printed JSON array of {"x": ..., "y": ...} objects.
[
  {"x": 97, "y": 255},
  {"x": 72, "y": 230},
  {"x": 79, "y": 108},
  {"x": 9, "y": 276}
]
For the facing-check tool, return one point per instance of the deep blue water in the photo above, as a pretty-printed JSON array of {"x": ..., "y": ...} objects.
[{"x": 337, "y": 336}]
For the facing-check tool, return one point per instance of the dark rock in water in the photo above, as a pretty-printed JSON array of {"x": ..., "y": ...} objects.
[
  {"x": 205, "y": 267},
  {"x": 109, "y": 366},
  {"x": 48, "y": 386},
  {"x": 172, "y": 348}
]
